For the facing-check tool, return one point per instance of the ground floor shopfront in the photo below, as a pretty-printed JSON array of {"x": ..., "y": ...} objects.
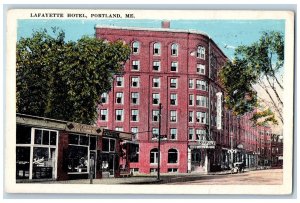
[{"x": 58, "y": 150}]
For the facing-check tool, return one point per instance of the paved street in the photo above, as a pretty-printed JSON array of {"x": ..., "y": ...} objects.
[{"x": 259, "y": 177}]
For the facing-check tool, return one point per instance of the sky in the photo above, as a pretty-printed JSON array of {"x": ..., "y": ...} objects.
[{"x": 228, "y": 34}]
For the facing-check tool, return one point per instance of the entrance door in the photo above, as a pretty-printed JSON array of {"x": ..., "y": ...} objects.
[
  {"x": 196, "y": 160},
  {"x": 108, "y": 165}
]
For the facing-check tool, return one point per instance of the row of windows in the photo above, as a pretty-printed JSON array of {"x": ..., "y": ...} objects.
[
  {"x": 197, "y": 134},
  {"x": 174, "y": 49},
  {"x": 201, "y": 117},
  {"x": 135, "y": 98},
  {"x": 135, "y": 82},
  {"x": 156, "y": 66},
  {"x": 172, "y": 156}
]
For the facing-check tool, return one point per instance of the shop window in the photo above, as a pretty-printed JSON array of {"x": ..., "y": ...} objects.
[
  {"x": 23, "y": 135},
  {"x": 108, "y": 145},
  {"x": 154, "y": 156},
  {"x": 135, "y": 47},
  {"x": 172, "y": 156},
  {"x": 134, "y": 153},
  {"x": 156, "y": 49},
  {"x": 156, "y": 65},
  {"x": 174, "y": 50},
  {"x": 77, "y": 159},
  {"x": 22, "y": 162},
  {"x": 43, "y": 164}
]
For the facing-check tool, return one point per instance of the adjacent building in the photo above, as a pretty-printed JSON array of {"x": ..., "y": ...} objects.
[{"x": 48, "y": 149}]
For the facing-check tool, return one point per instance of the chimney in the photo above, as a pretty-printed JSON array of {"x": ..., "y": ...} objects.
[{"x": 165, "y": 24}]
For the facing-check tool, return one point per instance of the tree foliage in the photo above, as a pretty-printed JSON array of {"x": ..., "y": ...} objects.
[
  {"x": 64, "y": 80},
  {"x": 255, "y": 64}
]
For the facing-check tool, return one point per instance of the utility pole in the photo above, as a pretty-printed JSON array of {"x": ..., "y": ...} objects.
[{"x": 159, "y": 137}]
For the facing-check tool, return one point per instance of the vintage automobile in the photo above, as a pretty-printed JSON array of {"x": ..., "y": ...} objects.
[{"x": 238, "y": 167}]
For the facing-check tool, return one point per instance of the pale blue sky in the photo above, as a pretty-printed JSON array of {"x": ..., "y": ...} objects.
[{"x": 228, "y": 34}]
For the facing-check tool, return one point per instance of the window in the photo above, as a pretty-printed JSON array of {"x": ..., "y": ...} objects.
[
  {"x": 172, "y": 170},
  {"x": 155, "y": 133},
  {"x": 201, "y": 85},
  {"x": 108, "y": 145},
  {"x": 172, "y": 156},
  {"x": 135, "y": 65},
  {"x": 135, "y": 131},
  {"x": 153, "y": 170},
  {"x": 156, "y": 65},
  {"x": 135, "y": 82},
  {"x": 156, "y": 82},
  {"x": 156, "y": 48},
  {"x": 119, "y": 115},
  {"x": 103, "y": 114},
  {"x": 191, "y": 133},
  {"x": 173, "y": 116},
  {"x": 174, "y": 66},
  {"x": 201, "y": 69},
  {"x": 201, "y": 52},
  {"x": 191, "y": 83},
  {"x": 135, "y": 47},
  {"x": 119, "y": 81},
  {"x": 173, "y": 83},
  {"x": 155, "y": 98},
  {"x": 173, "y": 134},
  {"x": 202, "y": 117},
  {"x": 191, "y": 116},
  {"x": 135, "y": 98},
  {"x": 119, "y": 129},
  {"x": 174, "y": 50},
  {"x": 201, "y": 101},
  {"x": 200, "y": 134},
  {"x": 134, "y": 115},
  {"x": 155, "y": 115},
  {"x": 119, "y": 98},
  {"x": 104, "y": 98},
  {"x": 173, "y": 99},
  {"x": 191, "y": 100},
  {"x": 154, "y": 156},
  {"x": 134, "y": 153}
]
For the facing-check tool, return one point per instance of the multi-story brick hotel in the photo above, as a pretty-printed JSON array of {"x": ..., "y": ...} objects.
[{"x": 179, "y": 70}]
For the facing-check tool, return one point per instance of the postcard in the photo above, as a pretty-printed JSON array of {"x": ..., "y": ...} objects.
[{"x": 149, "y": 102}]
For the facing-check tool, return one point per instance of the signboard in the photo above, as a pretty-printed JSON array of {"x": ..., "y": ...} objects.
[
  {"x": 82, "y": 128},
  {"x": 203, "y": 144},
  {"x": 219, "y": 110}
]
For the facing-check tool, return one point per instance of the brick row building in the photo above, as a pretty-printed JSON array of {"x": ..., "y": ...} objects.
[{"x": 179, "y": 70}]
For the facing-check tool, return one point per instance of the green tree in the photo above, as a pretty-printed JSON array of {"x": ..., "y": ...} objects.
[
  {"x": 259, "y": 64},
  {"x": 64, "y": 80}
]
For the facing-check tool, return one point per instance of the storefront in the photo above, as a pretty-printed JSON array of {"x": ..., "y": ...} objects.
[{"x": 48, "y": 149}]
